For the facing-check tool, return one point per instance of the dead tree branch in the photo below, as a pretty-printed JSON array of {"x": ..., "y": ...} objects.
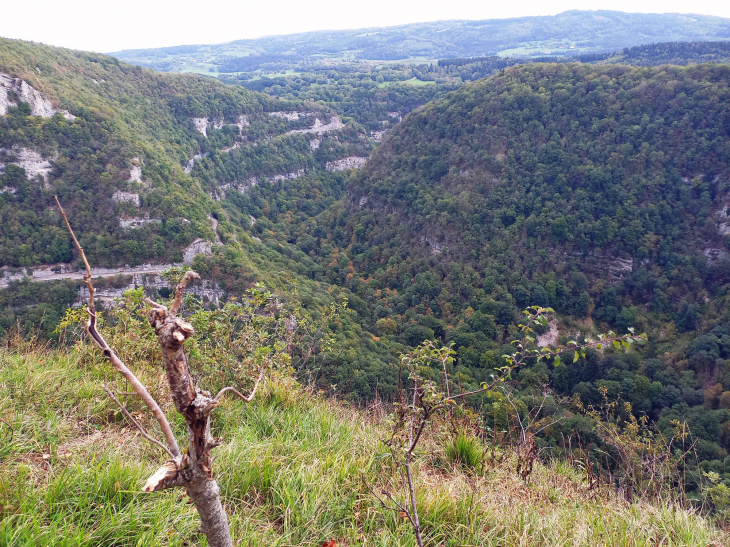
[
  {"x": 250, "y": 397},
  {"x": 116, "y": 362},
  {"x": 139, "y": 426}
]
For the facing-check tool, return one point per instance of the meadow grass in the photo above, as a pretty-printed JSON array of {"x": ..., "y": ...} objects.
[{"x": 289, "y": 468}]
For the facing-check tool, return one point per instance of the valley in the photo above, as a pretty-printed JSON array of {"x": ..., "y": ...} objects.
[{"x": 579, "y": 163}]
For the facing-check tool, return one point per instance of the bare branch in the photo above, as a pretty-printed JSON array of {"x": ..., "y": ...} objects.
[
  {"x": 136, "y": 423},
  {"x": 398, "y": 507},
  {"x": 180, "y": 289},
  {"x": 116, "y": 362},
  {"x": 160, "y": 479},
  {"x": 248, "y": 399},
  {"x": 155, "y": 305},
  {"x": 87, "y": 277}
]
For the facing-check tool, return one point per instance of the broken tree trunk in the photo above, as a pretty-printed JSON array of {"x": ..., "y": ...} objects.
[{"x": 194, "y": 471}]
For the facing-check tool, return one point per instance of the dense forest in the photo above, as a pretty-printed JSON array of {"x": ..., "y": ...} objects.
[
  {"x": 139, "y": 175},
  {"x": 598, "y": 191},
  {"x": 378, "y": 95}
]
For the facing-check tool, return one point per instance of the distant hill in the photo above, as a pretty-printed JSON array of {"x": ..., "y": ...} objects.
[
  {"x": 672, "y": 53},
  {"x": 571, "y": 32}
]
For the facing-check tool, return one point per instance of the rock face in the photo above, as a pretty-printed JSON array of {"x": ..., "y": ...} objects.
[
  {"x": 723, "y": 219},
  {"x": 26, "y": 94},
  {"x": 126, "y": 197},
  {"x": 191, "y": 163},
  {"x": 242, "y": 122},
  {"x": 202, "y": 124},
  {"x": 320, "y": 128},
  {"x": 291, "y": 116},
  {"x": 195, "y": 248},
  {"x": 129, "y": 223},
  {"x": 28, "y": 159},
  {"x": 351, "y": 162}
]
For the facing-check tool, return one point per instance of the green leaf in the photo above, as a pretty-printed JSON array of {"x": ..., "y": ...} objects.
[
  {"x": 556, "y": 361},
  {"x": 576, "y": 357}
]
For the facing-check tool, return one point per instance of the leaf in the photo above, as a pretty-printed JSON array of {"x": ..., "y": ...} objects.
[
  {"x": 330, "y": 543},
  {"x": 617, "y": 344},
  {"x": 576, "y": 357},
  {"x": 556, "y": 361}
]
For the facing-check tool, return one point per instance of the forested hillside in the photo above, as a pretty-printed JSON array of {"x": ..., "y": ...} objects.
[
  {"x": 141, "y": 161},
  {"x": 600, "y": 191}
]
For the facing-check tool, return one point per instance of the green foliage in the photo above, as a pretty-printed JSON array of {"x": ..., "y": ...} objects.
[
  {"x": 719, "y": 495},
  {"x": 464, "y": 451}
]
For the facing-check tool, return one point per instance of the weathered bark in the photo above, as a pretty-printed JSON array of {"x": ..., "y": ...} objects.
[{"x": 194, "y": 471}]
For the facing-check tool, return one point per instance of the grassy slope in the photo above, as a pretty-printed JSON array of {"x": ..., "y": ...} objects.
[{"x": 289, "y": 470}]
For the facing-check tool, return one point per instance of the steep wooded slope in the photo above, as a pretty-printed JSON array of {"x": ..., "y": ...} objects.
[
  {"x": 122, "y": 156},
  {"x": 619, "y": 173}
]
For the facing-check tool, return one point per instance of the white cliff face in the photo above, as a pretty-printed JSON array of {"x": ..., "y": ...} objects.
[
  {"x": 291, "y": 116},
  {"x": 201, "y": 124},
  {"x": 30, "y": 160},
  {"x": 320, "y": 128},
  {"x": 26, "y": 94},
  {"x": 195, "y": 248},
  {"x": 723, "y": 219},
  {"x": 135, "y": 174},
  {"x": 131, "y": 223},
  {"x": 351, "y": 162},
  {"x": 126, "y": 197},
  {"x": 242, "y": 122}
]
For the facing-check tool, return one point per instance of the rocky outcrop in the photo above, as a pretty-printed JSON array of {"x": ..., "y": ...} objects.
[
  {"x": 30, "y": 160},
  {"x": 191, "y": 163},
  {"x": 130, "y": 223},
  {"x": 197, "y": 247},
  {"x": 202, "y": 124},
  {"x": 126, "y": 197},
  {"x": 320, "y": 128},
  {"x": 723, "y": 219},
  {"x": 26, "y": 93},
  {"x": 378, "y": 135},
  {"x": 549, "y": 338},
  {"x": 242, "y": 122},
  {"x": 291, "y": 116},
  {"x": 350, "y": 162}
]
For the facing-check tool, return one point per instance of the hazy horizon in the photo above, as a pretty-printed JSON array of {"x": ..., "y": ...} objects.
[{"x": 116, "y": 26}]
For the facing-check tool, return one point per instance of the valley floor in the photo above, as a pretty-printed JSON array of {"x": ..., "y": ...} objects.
[{"x": 290, "y": 469}]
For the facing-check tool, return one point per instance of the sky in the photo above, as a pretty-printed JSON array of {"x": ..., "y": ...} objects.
[{"x": 113, "y": 25}]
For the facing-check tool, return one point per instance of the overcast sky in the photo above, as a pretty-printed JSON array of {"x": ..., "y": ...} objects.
[{"x": 113, "y": 25}]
